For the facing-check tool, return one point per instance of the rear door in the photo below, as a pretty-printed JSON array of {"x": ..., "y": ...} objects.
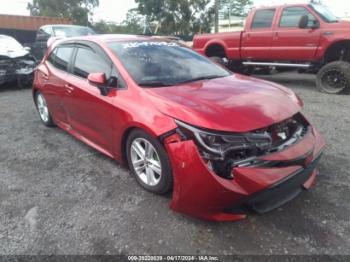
[
  {"x": 89, "y": 112},
  {"x": 54, "y": 80},
  {"x": 257, "y": 39},
  {"x": 291, "y": 43}
]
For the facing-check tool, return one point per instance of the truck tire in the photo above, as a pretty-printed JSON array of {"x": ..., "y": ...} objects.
[
  {"x": 217, "y": 60},
  {"x": 239, "y": 68},
  {"x": 334, "y": 78}
]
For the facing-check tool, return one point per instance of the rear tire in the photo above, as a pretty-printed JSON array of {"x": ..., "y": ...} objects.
[
  {"x": 334, "y": 78},
  {"x": 149, "y": 162},
  {"x": 43, "y": 110}
]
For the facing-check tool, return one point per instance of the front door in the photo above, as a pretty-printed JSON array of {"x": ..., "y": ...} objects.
[
  {"x": 54, "y": 77},
  {"x": 89, "y": 112},
  {"x": 291, "y": 42}
]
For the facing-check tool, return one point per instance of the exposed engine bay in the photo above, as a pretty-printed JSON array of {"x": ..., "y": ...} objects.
[
  {"x": 16, "y": 63},
  {"x": 20, "y": 68}
]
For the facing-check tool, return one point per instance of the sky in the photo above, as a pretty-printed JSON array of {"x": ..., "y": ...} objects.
[{"x": 115, "y": 10}]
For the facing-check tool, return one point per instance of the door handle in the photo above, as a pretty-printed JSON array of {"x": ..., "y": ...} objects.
[
  {"x": 69, "y": 88},
  {"x": 44, "y": 76},
  {"x": 276, "y": 35}
]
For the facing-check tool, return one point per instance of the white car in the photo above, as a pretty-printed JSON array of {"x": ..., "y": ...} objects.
[{"x": 16, "y": 62}]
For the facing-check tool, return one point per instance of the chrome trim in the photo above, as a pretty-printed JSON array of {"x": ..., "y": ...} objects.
[{"x": 277, "y": 64}]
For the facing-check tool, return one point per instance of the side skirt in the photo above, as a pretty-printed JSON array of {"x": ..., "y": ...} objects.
[{"x": 83, "y": 139}]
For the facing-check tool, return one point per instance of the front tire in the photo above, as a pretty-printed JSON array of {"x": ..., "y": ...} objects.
[
  {"x": 43, "y": 110},
  {"x": 217, "y": 60},
  {"x": 149, "y": 162},
  {"x": 334, "y": 78}
]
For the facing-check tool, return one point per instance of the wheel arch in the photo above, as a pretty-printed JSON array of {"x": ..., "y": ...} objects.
[
  {"x": 34, "y": 91},
  {"x": 337, "y": 51},
  {"x": 125, "y": 135},
  {"x": 216, "y": 48}
]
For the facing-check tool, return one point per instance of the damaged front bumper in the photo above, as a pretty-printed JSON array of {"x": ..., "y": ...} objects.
[
  {"x": 201, "y": 193},
  {"x": 20, "y": 68}
]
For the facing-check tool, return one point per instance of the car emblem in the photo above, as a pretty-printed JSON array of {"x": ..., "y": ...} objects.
[{"x": 282, "y": 135}]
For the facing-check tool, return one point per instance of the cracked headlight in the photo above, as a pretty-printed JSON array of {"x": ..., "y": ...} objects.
[{"x": 219, "y": 145}]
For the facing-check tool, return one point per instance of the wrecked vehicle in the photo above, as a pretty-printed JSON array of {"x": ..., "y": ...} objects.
[
  {"x": 16, "y": 63},
  {"x": 223, "y": 143}
]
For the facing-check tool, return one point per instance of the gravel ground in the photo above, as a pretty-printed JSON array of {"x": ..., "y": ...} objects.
[{"x": 58, "y": 196}]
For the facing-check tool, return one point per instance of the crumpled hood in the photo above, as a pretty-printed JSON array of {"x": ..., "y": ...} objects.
[
  {"x": 13, "y": 53},
  {"x": 234, "y": 104},
  {"x": 9, "y": 47}
]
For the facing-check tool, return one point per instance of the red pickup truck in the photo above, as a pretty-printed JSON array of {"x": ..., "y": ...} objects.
[{"x": 307, "y": 37}]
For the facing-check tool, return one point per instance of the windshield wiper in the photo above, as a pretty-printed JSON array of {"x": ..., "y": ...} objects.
[
  {"x": 164, "y": 84},
  {"x": 201, "y": 78},
  {"x": 154, "y": 84}
]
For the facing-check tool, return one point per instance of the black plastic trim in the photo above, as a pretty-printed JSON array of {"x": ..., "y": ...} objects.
[{"x": 278, "y": 194}]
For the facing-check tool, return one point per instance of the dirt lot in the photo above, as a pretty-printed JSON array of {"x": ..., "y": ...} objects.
[{"x": 58, "y": 196}]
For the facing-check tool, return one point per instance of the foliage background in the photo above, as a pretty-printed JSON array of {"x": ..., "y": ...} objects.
[{"x": 163, "y": 17}]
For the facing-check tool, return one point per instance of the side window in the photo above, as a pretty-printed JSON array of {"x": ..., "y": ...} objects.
[
  {"x": 52, "y": 57},
  {"x": 47, "y": 30},
  {"x": 291, "y": 17},
  {"x": 88, "y": 61},
  {"x": 43, "y": 34},
  {"x": 263, "y": 18},
  {"x": 63, "y": 56}
]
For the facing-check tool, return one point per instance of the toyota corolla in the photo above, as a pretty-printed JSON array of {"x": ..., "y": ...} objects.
[{"x": 224, "y": 144}]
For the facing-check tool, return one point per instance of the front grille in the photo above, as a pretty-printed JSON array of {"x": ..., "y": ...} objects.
[
  {"x": 7, "y": 64},
  {"x": 287, "y": 132}
]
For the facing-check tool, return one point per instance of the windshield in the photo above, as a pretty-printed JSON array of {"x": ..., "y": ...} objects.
[
  {"x": 71, "y": 31},
  {"x": 324, "y": 13},
  {"x": 156, "y": 64}
]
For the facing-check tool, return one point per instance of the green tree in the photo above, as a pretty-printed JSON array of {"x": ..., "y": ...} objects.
[
  {"x": 77, "y": 10},
  {"x": 102, "y": 27},
  {"x": 180, "y": 17},
  {"x": 133, "y": 24},
  {"x": 235, "y": 7}
]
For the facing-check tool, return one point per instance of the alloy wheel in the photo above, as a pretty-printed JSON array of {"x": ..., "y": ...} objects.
[
  {"x": 146, "y": 162},
  {"x": 42, "y": 108}
]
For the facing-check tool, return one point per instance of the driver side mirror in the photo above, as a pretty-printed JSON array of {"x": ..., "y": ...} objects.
[
  {"x": 99, "y": 80},
  {"x": 304, "y": 22}
]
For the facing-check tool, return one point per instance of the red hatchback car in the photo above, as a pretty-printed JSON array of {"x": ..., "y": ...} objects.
[{"x": 224, "y": 144}]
